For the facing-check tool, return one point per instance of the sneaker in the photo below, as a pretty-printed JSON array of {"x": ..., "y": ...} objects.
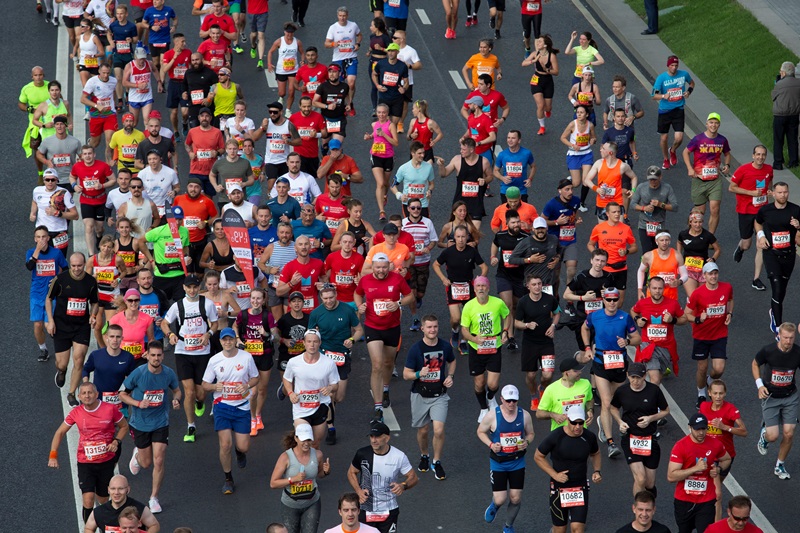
[
  {"x": 468, "y": 23},
  {"x": 474, "y": 19},
  {"x": 493, "y": 403},
  {"x": 601, "y": 434},
  {"x": 39, "y": 8},
  {"x": 253, "y": 428},
  {"x": 508, "y": 529},
  {"x": 534, "y": 404},
  {"x": 133, "y": 465},
  {"x": 238, "y": 49},
  {"x": 491, "y": 22},
  {"x": 241, "y": 459},
  {"x": 330, "y": 438},
  {"x": 497, "y": 34},
  {"x": 490, "y": 513},
  {"x": 259, "y": 423},
  {"x": 352, "y": 111},
  {"x": 780, "y": 471},
  {"x": 762, "y": 444},
  {"x": 228, "y": 487},
  {"x": 177, "y": 137},
  {"x": 512, "y": 344},
  {"x": 464, "y": 347},
  {"x": 386, "y": 401},
  {"x": 191, "y": 431},
  {"x": 772, "y": 325},
  {"x": 377, "y": 416},
  {"x": 738, "y": 253},
  {"x": 301, "y": 23},
  {"x": 155, "y": 505},
  {"x": 454, "y": 340},
  {"x": 438, "y": 471},
  {"x": 253, "y": 53},
  {"x": 582, "y": 208},
  {"x": 547, "y": 114},
  {"x": 483, "y": 413},
  {"x": 382, "y": 218},
  {"x": 449, "y": 34},
  {"x": 394, "y": 373},
  {"x": 47, "y": 17},
  {"x": 424, "y": 463},
  {"x": 758, "y": 285},
  {"x": 260, "y": 65},
  {"x": 243, "y": 36},
  {"x": 673, "y": 157},
  {"x": 416, "y": 325},
  {"x": 665, "y": 165},
  {"x": 71, "y": 400},
  {"x": 56, "y": 23},
  {"x": 199, "y": 408},
  {"x": 86, "y": 116},
  {"x": 61, "y": 378},
  {"x": 613, "y": 451},
  {"x": 280, "y": 392},
  {"x": 700, "y": 399},
  {"x": 44, "y": 356},
  {"x": 541, "y": 131},
  {"x": 527, "y": 53}
]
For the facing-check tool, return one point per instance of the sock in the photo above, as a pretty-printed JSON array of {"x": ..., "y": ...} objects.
[
  {"x": 455, "y": 331},
  {"x": 42, "y": 346},
  {"x": 332, "y": 411},
  {"x": 708, "y": 380},
  {"x": 584, "y": 194},
  {"x": 379, "y": 405},
  {"x": 652, "y": 490},
  {"x": 610, "y": 442},
  {"x": 198, "y": 403},
  {"x": 87, "y": 512},
  {"x": 490, "y": 393},
  {"x": 778, "y": 463},
  {"x": 481, "y": 396},
  {"x": 702, "y": 392},
  {"x": 191, "y": 425},
  {"x": 229, "y": 476},
  {"x": 386, "y": 388},
  {"x": 511, "y": 513},
  {"x": 41, "y": 173},
  {"x": 541, "y": 122}
]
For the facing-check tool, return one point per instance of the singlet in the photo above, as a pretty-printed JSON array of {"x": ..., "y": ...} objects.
[
  {"x": 424, "y": 133},
  {"x": 219, "y": 259},
  {"x": 105, "y": 276},
  {"x": 88, "y": 48},
  {"x": 224, "y": 100},
  {"x": 580, "y": 139},
  {"x": 509, "y": 435},
  {"x": 467, "y": 188},
  {"x": 380, "y": 145},
  {"x": 585, "y": 98},
  {"x": 537, "y": 77},
  {"x": 52, "y": 112},
  {"x": 360, "y": 232},
  {"x": 287, "y": 57},
  {"x": 667, "y": 269},
  {"x": 301, "y": 494},
  {"x": 280, "y": 256},
  {"x": 277, "y": 148},
  {"x": 139, "y": 75},
  {"x": 128, "y": 256},
  {"x": 609, "y": 184},
  {"x": 141, "y": 217}
]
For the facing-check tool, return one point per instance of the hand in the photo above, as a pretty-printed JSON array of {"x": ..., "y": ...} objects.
[
  {"x": 561, "y": 477},
  {"x": 763, "y": 393},
  {"x": 397, "y": 488},
  {"x": 448, "y": 382},
  {"x": 717, "y": 423},
  {"x": 762, "y": 243},
  {"x": 667, "y": 316},
  {"x": 52, "y": 463},
  {"x": 691, "y": 173},
  {"x": 574, "y": 34},
  {"x": 622, "y": 343},
  {"x": 296, "y": 278},
  {"x": 551, "y": 331},
  {"x": 173, "y": 339},
  {"x": 363, "y": 494},
  {"x": 300, "y": 476},
  {"x": 563, "y": 219},
  {"x": 701, "y": 465},
  {"x": 325, "y": 391},
  {"x": 644, "y": 421},
  {"x": 494, "y": 261},
  {"x": 591, "y": 295},
  {"x": 560, "y": 418},
  {"x": 293, "y": 397},
  {"x": 794, "y": 222},
  {"x": 623, "y": 427},
  {"x": 326, "y": 466},
  {"x": 714, "y": 471},
  {"x": 703, "y": 317},
  {"x": 144, "y": 404}
]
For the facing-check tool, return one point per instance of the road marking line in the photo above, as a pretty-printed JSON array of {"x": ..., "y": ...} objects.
[
  {"x": 457, "y": 79},
  {"x": 423, "y": 17},
  {"x": 271, "y": 81}
]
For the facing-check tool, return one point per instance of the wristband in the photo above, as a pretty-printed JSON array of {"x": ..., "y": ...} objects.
[
  {"x": 760, "y": 234},
  {"x": 759, "y": 383},
  {"x": 573, "y": 101},
  {"x": 417, "y": 374},
  {"x": 398, "y": 195},
  {"x": 53, "y": 454}
]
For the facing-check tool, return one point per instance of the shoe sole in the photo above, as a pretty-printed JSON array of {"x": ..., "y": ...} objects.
[
  {"x": 489, "y": 517},
  {"x": 439, "y": 478},
  {"x": 756, "y": 287}
]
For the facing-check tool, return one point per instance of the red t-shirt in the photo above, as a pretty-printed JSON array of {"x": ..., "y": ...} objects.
[
  {"x": 346, "y": 165},
  {"x": 479, "y": 129},
  {"x": 531, "y": 7},
  {"x": 205, "y": 145},
  {"x": 311, "y": 77},
  {"x": 491, "y": 102},
  {"x": 333, "y": 211},
  {"x": 91, "y": 180},
  {"x": 97, "y": 429},
  {"x": 656, "y": 331},
  {"x": 311, "y": 273},
  {"x": 723, "y": 527},
  {"x": 750, "y": 178},
  {"x": 611, "y": 239},
  {"x": 307, "y": 128},
  {"x": 343, "y": 272},
  {"x": 715, "y": 304},
  {"x": 196, "y": 211},
  {"x": 699, "y": 487},
  {"x": 377, "y": 293},
  {"x": 178, "y": 69},
  {"x": 214, "y": 53},
  {"x": 225, "y": 23},
  {"x": 729, "y": 414},
  {"x": 257, "y": 7}
]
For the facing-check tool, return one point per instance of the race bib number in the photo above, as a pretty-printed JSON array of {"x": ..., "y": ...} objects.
[
  {"x": 709, "y": 173},
  {"x": 582, "y": 140},
  {"x": 419, "y": 247},
  {"x": 607, "y": 192},
  {"x": 206, "y": 154},
  {"x": 155, "y": 397},
  {"x": 123, "y": 47},
  {"x": 469, "y": 189},
  {"x": 61, "y": 160},
  {"x": 484, "y": 69},
  {"x": 92, "y": 184},
  {"x": 509, "y": 442},
  {"x": 61, "y": 241},
  {"x": 381, "y": 306},
  {"x": 193, "y": 342},
  {"x": 675, "y": 94},
  {"x": 289, "y": 63},
  {"x": 333, "y": 126},
  {"x": 781, "y": 378},
  {"x": 390, "y": 79},
  {"x": 433, "y": 376},
  {"x": 695, "y": 485},
  {"x": 197, "y": 96},
  {"x": 112, "y": 398},
  {"x": 243, "y": 289},
  {"x": 377, "y": 517},
  {"x": 780, "y": 239},
  {"x": 394, "y": 3},
  {"x": 593, "y": 305},
  {"x": 758, "y": 201},
  {"x": 507, "y": 257},
  {"x": 585, "y": 98},
  {"x": 571, "y": 497},
  {"x": 333, "y": 223},
  {"x": 45, "y": 267},
  {"x": 656, "y": 332},
  {"x": 459, "y": 291},
  {"x": 641, "y": 445},
  {"x": 277, "y": 146},
  {"x": 378, "y": 149},
  {"x": 652, "y": 228},
  {"x": 337, "y": 357},
  {"x": 230, "y": 391},
  {"x": 129, "y": 151},
  {"x": 309, "y": 399},
  {"x": 254, "y": 347},
  {"x": 301, "y": 487},
  {"x": 311, "y": 87},
  {"x": 171, "y": 251},
  {"x": 93, "y": 450},
  {"x": 613, "y": 360},
  {"x": 566, "y": 233},
  {"x": 514, "y": 170},
  {"x": 76, "y": 306},
  {"x": 308, "y": 304},
  {"x": 180, "y": 73},
  {"x": 345, "y": 46},
  {"x": 231, "y": 183},
  {"x": 191, "y": 222},
  {"x": 534, "y": 6},
  {"x": 534, "y": 80},
  {"x": 104, "y": 275},
  {"x": 134, "y": 348},
  {"x": 217, "y": 62},
  {"x": 416, "y": 190},
  {"x": 306, "y": 133},
  {"x": 715, "y": 310},
  {"x": 90, "y": 62},
  {"x": 548, "y": 363},
  {"x": 488, "y": 346},
  {"x": 694, "y": 264},
  {"x": 344, "y": 279},
  {"x": 578, "y": 70}
]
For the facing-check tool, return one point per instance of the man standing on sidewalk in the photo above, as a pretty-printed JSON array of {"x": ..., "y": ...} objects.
[
  {"x": 670, "y": 91},
  {"x": 785, "y": 116}
]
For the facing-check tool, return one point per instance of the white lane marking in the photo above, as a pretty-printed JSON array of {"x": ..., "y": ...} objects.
[
  {"x": 423, "y": 17},
  {"x": 730, "y": 482},
  {"x": 456, "y": 75},
  {"x": 271, "y": 81}
]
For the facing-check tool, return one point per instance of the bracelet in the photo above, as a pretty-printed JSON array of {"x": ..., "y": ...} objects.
[
  {"x": 118, "y": 440},
  {"x": 139, "y": 404},
  {"x": 759, "y": 383},
  {"x": 53, "y": 454}
]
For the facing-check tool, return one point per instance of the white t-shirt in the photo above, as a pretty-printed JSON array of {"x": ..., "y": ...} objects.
[
  {"x": 409, "y": 56},
  {"x": 97, "y": 8},
  {"x": 299, "y": 187},
  {"x": 230, "y": 128},
  {"x": 102, "y": 90},
  {"x": 158, "y": 184},
  {"x": 362, "y": 528},
  {"x": 345, "y": 39},
  {"x": 116, "y": 198},
  {"x": 42, "y": 198},
  {"x": 193, "y": 326},
  {"x": 231, "y": 371},
  {"x": 383, "y": 471},
  {"x": 308, "y": 380}
]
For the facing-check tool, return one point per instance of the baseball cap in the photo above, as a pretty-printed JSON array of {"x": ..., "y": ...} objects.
[
  {"x": 570, "y": 364},
  {"x": 177, "y": 212},
  {"x": 611, "y": 291},
  {"x": 234, "y": 187},
  {"x": 190, "y": 280},
  {"x": 50, "y": 172},
  {"x": 393, "y": 46},
  {"x": 714, "y": 116},
  {"x": 227, "y": 332},
  {"x": 381, "y": 256},
  {"x": 390, "y": 229},
  {"x": 513, "y": 193},
  {"x": 154, "y": 151},
  {"x": 672, "y": 60},
  {"x": 653, "y": 172},
  {"x": 275, "y": 105},
  {"x": 710, "y": 266},
  {"x": 282, "y": 179},
  {"x": 335, "y": 67},
  {"x": 196, "y": 181},
  {"x": 155, "y": 113},
  {"x": 205, "y": 110},
  {"x": 475, "y": 100},
  {"x": 304, "y": 432},
  {"x": 576, "y": 412},
  {"x": 588, "y": 70},
  {"x": 140, "y": 52},
  {"x": 132, "y": 292},
  {"x": 510, "y": 392},
  {"x": 698, "y": 421},
  {"x": 334, "y": 144},
  {"x": 563, "y": 183},
  {"x": 296, "y": 294},
  {"x": 313, "y": 331},
  {"x": 378, "y": 428},
  {"x": 637, "y": 369},
  {"x": 539, "y": 222}
]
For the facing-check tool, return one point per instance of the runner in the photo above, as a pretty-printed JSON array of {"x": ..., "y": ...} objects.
[
  {"x": 45, "y": 113},
  {"x": 622, "y": 99},
  {"x": 271, "y": 262},
  {"x": 59, "y": 152},
  {"x": 257, "y": 16},
  {"x": 107, "y": 268},
  {"x": 544, "y": 61},
  {"x": 644, "y": 507},
  {"x": 32, "y": 94},
  {"x": 302, "y": 186},
  {"x": 107, "y": 515},
  {"x": 664, "y": 262},
  {"x": 509, "y": 278},
  {"x": 586, "y": 54},
  {"x": 169, "y": 274},
  {"x": 199, "y": 210},
  {"x": 199, "y": 80},
  {"x": 345, "y": 37},
  {"x": 349, "y": 510},
  {"x": 290, "y": 52},
  {"x": 175, "y": 64},
  {"x": 568, "y": 393},
  {"x": 45, "y": 263},
  {"x": 473, "y": 175},
  {"x": 424, "y": 129},
  {"x": 137, "y": 78},
  {"x": 653, "y": 202},
  {"x": 484, "y": 62},
  {"x": 560, "y": 213},
  {"x": 586, "y": 290},
  {"x": 414, "y": 180},
  {"x": 159, "y": 22},
  {"x": 586, "y": 93},
  {"x": 384, "y": 140},
  {"x": 610, "y": 173},
  {"x": 694, "y": 243},
  {"x": 617, "y": 239},
  {"x": 160, "y": 182},
  {"x": 515, "y": 166},
  {"x": 362, "y": 229},
  {"x": 157, "y": 138},
  {"x": 508, "y": 432},
  {"x": 480, "y": 128},
  {"x": 329, "y": 206},
  {"x": 91, "y": 179},
  {"x": 229, "y": 173},
  {"x": 343, "y": 267},
  {"x": 109, "y": 366},
  {"x": 98, "y": 96},
  {"x": 334, "y": 99},
  {"x": 292, "y": 327},
  {"x": 305, "y": 274},
  {"x": 225, "y": 93},
  {"x": 263, "y": 233},
  {"x": 541, "y": 255},
  {"x": 579, "y": 137},
  {"x": 311, "y": 128},
  {"x": 316, "y": 230},
  {"x": 739, "y": 509},
  {"x": 670, "y": 90},
  {"x": 624, "y": 138},
  {"x": 421, "y": 228}
]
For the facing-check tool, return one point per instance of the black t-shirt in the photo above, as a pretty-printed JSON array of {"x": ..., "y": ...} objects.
[
  {"x": 333, "y": 94},
  {"x": 570, "y": 453},
  {"x": 637, "y": 404},
  {"x": 391, "y": 77},
  {"x": 506, "y": 242},
  {"x": 74, "y": 299},
  {"x": 165, "y": 147},
  {"x": 778, "y": 228},
  {"x": 696, "y": 245},
  {"x": 201, "y": 79},
  {"x": 435, "y": 358},
  {"x": 460, "y": 264},
  {"x": 778, "y": 369},
  {"x": 539, "y": 312},
  {"x": 585, "y": 282},
  {"x": 106, "y": 516},
  {"x": 292, "y": 328},
  {"x": 655, "y": 527}
]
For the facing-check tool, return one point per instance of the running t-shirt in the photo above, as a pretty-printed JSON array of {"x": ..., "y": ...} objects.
[
  {"x": 382, "y": 471},
  {"x": 293, "y": 329},
  {"x": 91, "y": 179},
  {"x": 249, "y": 326},
  {"x": 96, "y": 429},
  {"x": 778, "y": 369},
  {"x": 636, "y": 404},
  {"x": 158, "y": 21},
  {"x": 461, "y": 264},
  {"x": 190, "y": 333},
  {"x": 144, "y": 384},
  {"x": 608, "y": 328},
  {"x": 261, "y": 238},
  {"x": 715, "y": 304},
  {"x": 133, "y": 335},
  {"x": 539, "y": 311},
  {"x": 109, "y": 372},
  {"x": 622, "y": 138},
  {"x": 310, "y": 272},
  {"x": 553, "y": 209},
  {"x": 344, "y": 273},
  {"x": 778, "y": 228},
  {"x": 569, "y": 453},
  {"x": 612, "y": 239},
  {"x": 514, "y": 165},
  {"x": 206, "y": 145},
  {"x": 485, "y": 321},
  {"x": 656, "y": 330},
  {"x": 49, "y": 264},
  {"x": 751, "y": 178},
  {"x": 231, "y": 372},
  {"x": 707, "y": 153},
  {"x": 699, "y": 487},
  {"x": 559, "y": 399},
  {"x": 74, "y": 299},
  {"x": 378, "y": 294},
  {"x": 728, "y": 415},
  {"x": 415, "y": 182},
  {"x": 483, "y": 65},
  {"x": 344, "y": 39},
  {"x": 308, "y": 379},
  {"x": 675, "y": 89},
  {"x": 335, "y": 326},
  {"x": 436, "y": 358}
]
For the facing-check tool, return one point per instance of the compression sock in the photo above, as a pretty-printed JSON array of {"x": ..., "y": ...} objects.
[
  {"x": 652, "y": 490},
  {"x": 511, "y": 513},
  {"x": 229, "y": 476},
  {"x": 87, "y": 512},
  {"x": 481, "y": 396},
  {"x": 490, "y": 393},
  {"x": 332, "y": 414},
  {"x": 541, "y": 122},
  {"x": 584, "y": 194}
]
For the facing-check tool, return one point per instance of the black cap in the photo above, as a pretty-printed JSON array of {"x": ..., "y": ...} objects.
[
  {"x": 190, "y": 280},
  {"x": 698, "y": 421},
  {"x": 390, "y": 229},
  {"x": 205, "y": 110},
  {"x": 378, "y": 428},
  {"x": 154, "y": 151},
  {"x": 570, "y": 364},
  {"x": 275, "y": 105},
  {"x": 196, "y": 181},
  {"x": 296, "y": 294},
  {"x": 637, "y": 369}
]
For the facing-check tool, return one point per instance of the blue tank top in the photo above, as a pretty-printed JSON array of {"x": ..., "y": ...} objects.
[{"x": 508, "y": 434}]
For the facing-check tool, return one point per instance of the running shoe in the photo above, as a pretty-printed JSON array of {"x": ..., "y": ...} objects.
[
  {"x": 44, "y": 356},
  {"x": 512, "y": 344},
  {"x": 613, "y": 451},
  {"x": 56, "y": 23},
  {"x": 199, "y": 408},
  {"x": 454, "y": 340},
  {"x": 738, "y": 253},
  {"x": 242, "y": 36},
  {"x": 424, "y": 463},
  {"x": 260, "y": 65},
  {"x": 191, "y": 431},
  {"x": 661, "y": 422},
  {"x": 601, "y": 433},
  {"x": 71, "y": 400},
  {"x": 386, "y": 402},
  {"x": 468, "y": 23},
  {"x": 253, "y": 53},
  {"x": 133, "y": 465},
  {"x": 416, "y": 325},
  {"x": 177, "y": 137},
  {"x": 474, "y": 19},
  {"x": 377, "y": 416},
  {"x": 508, "y": 529},
  {"x": 352, "y": 111},
  {"x": 401, "y": 128},
  {"x": 482, "y": 414},
  {"x": 490, "y": 513},
  {"x": 259, "y": 423},
  {"x": 39, "y": 7},
  {"x": 47, "y": 17},
  {"x": 228, "y": 487},
  {"x": 497, "y": 34},
  {"x": 541, "y": 131},
  {"x": 330, "y": 438},
  {"x": 241, "y": 459},
  {"x": 382, "y": 218},
  {"x": 238, "y": 49},
  {"x": 582, "y": 208},
  {"x": 394, "y": 373},
  {"x": 280, "y": 392},
  {"x": 762, "y": 444},
  {"x": 780, "y": 471},
  {"x": 772, "y": 325},
  {"x": 155, "y": 505},
  {"x": 493, "y": 403},
  {"x": 700, "y": 399},
  {"x": 61, "y": 378},
  {"x": 253, "y": 428},
  {"x": 758, "y": 285},
  {"x": 547, "y": 114},
  {"x": 438, "y": 471},
  {"x": 665, "y": 165},
  {"x": 464, "y": 347},
  {"x": 673, "y": 157}
]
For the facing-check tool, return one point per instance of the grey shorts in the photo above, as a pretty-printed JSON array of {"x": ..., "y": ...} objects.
[
  {"x": 425, "y": 410},
  {"x": 661, "y": 359},
  {"x": 258, "y": 23},
  {"x": 705, "y": 191},
  {"x": 135, "y": 13},
  {"x": 273, "y": 299},
  {"x": 570, "y": 253},
  {"x": 779, "y": 411}
]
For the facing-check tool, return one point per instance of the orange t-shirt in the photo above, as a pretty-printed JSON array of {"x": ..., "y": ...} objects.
[
  {"x": 398, "y": 256},
  {"x": 611, "y": 239},
  {"x": 201, "y": 209},
  {"x": 527, "y": 213},
  {"x": 483, "y": 65}
]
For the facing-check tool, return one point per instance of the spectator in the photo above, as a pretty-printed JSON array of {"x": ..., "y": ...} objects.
[{"x": 785, "y": 116}]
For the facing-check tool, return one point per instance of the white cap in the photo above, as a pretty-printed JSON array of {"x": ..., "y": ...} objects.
[
  {"x": 710, "y": 266},
  {"x": 539, "y": 222},
  {"x": 304, "y": 432},
  {"x": 380, "y": 256},
  {"x": 576, "y": 412},
  {"x": 312, "y": 331},
  {"x": 235, "y": 187},
  {"x": 510, "y": 392}
]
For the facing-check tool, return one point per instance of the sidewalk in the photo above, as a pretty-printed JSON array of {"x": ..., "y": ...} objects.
[{"x": 651, "y": 53}]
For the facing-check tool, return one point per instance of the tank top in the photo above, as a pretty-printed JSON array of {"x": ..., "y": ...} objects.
[
  {"x": 667, "y": 269},
  {"x": 219, "y": 259},
  {"x": 280, "y": 256},
  {"x": 508, "y": 434},
  {"x": 225, "y": 99},
  {"x": 467, "y": 188},
  {"x": 585, "y": 98},
  {"x": 52, "y": 112},
  {"x": 580, "y": 139},
  {"x": 141, "y": 217},
  {"x": 139, "y": 75},
  {"x": 287, "y": 57},
  {"x": 609, "y": 184},
  {"x": 301, "y": 493},
  {"x": 277, "y": 147},
  {"x": 128, "y": 256},
  {"x": 105, "y": 276},
  {"x": 380, "y": 145},
  {"x": 86, "y": 49},
  {"x": 537, "y": 78},
  {"x": 424, "y": 133},
  {"x": 360, "y": 232}
]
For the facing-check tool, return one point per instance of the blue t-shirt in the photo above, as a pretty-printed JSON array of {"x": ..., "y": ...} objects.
[
  {"x": 151, "y": 305},
  {"x": 260, "y": 239},
  {"x": 161, "y": 18},
  {"x": 291, "y": 208},
  {"x": 515, "y": 166},
  {"x": 608, "y": 328},
  {"x": 553, "y": 209},
  {"x": 396, "y": 9},
  {"x": 334, "y": 325},
  {"x": 318, "y": 230},
  {"x": 623, "y": 139},
  {"x": 120, "y": 33},
  {"x": 415, "y": 181},
  {"x": 48, "y": 266},
  {"x": 673, "y": 86},
  {"x": 140, "y": 383},
  {"x": 109, "y": 371},
  {"x": 436, "y": 359}
]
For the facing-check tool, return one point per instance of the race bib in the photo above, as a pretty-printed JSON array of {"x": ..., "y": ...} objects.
[
  {"x": 230, "y": 391},
  {"x": 534, "y": 80},
  {"x": 548, "y": 363},
  {"x": 781, "y": 378},
  {"x": 572, "y": 497},
  {"x": 333, "y": 223},
  {"x": 104, "y": 275},
  {"x": 593, "y": 305},
  {"x": 433, "y": 376},
  {"x": 582, "y": 140},
  {"x": 305, "y": 133},
  {"x": 578, "y": 70},
  {"x": 93, "y": 450},
  {"x": 308, "y": 304},
  {"x": 206, "y": 154},
  {"x": 344, "y": 279},
  {"x": 90, "y": 62},
  {"x": 345, "y": 46},
  {"x": 509, "y": 442},
  {"x": 416, "y": 190},
  {"x": 129, "y": 151},
  {"x": 289, "y": 63},
  {"x": 381, "y": 306},
  {"x": 566, "y": 233},
  {"x": 377, "y": 517},
  {"x": 134, "y": 348},
  {"x": 758, "y": 201},
  {"x": 715, "y": 310},
  {"x": 694, "y": 264},
  {"x": 378, "y": 149},
  {"x": 231, "y": 183},
  {"x": 641, "y": 445},
  {"x": 488, "y": 346},
  {"x": 277, "y": 146},
  {"x": 584, "y": 98},
  {"x": 191, "y": 222},
  {"x": 254, "y": 347},
  {"x": 419, "y": 247},
  {"x": 171, "y": 251},
  {"x": 507, "y": 257},
  {"x": 675, "y": 94},
  {"x": 394, "y": 3},
  {"x": 780, "y": 239},
  {"x": 61, "y": 160},
  {"x": 333, "y": 126},
  {"x": 112, "y": 398},
  {"x": 656, "y": 332},
  {"x": 45, "y": 267},
  {"x": 514, "y": 170},
  {"x": 193, "y": 342},
  {"x": 155, "y": 397},
  {"x": 197, "y": 96},
  {"x": 217, "y": 62},
  {"x": 695, "y": 485},
  {"x": 337, "y": 357},
  {"x": 92, "y": 184},
  {"x": 104, "y": 102},
  {"x": 459, "y": 291},
  {"x": 390, "y": 79},
  {"x": 61, "y": 241},
  {"x": 301, "y": 487},
  {"x": 709, "y": 173},
  {"x": 243, "y": 289},
  {"x": 309, "y": 399},
  {"x": 76, "y": 306},
  {"x": 180, "y": 72},
  {"x": 607, "y": 192},
  {"x": 123, "y": 47},
  {"x": 469, "y": 189},
  {"x": 311, "y": 87},
  {"x": 534, "y": 6},
  {"x": 613, "y": 360}
]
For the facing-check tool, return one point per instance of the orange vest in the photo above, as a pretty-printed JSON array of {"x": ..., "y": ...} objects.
[
  {"x": 611, "y": 178},
  {"x": 667, "y": 269}
]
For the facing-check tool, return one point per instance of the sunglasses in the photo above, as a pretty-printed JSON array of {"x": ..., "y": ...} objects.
[
  {"x": 395, "y": 38},
  {"x": 510, "y": 401},
  {"x": 577, "y": 422},
  {"x": 410, "y": 208},
  {"x": 50, "y": 179},
  {"x": 611, "y": 299},
  {"x": 740, "y": 518},
  {"x": 136, "y": 187},
  {"x": 272, "y": 112},
  {"x": 133, "y": 300}
]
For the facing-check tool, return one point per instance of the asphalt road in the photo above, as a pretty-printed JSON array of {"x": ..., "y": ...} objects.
[{"x": 36, "y": 498}]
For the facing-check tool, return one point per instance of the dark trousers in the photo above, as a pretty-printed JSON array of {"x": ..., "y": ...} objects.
[
  {"x": 785, "y": 127},
  {"x": 651, "y": 8}
]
